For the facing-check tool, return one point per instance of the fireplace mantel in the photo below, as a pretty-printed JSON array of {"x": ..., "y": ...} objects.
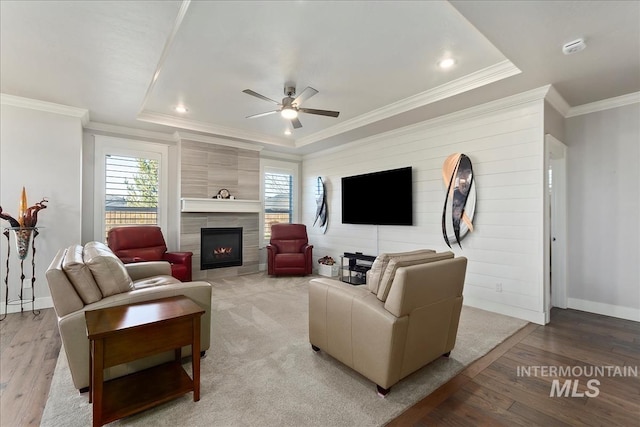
[{"x": 192, "y": 204}]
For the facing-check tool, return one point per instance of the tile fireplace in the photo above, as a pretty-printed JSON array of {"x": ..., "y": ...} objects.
[{"x": 220, "y": 247}]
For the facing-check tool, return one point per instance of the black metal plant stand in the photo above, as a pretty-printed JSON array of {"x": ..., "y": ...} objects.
[{"x": 21, "y": 297}]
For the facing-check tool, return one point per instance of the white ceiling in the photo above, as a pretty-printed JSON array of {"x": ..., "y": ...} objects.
[{"x": 374, "y": 61}]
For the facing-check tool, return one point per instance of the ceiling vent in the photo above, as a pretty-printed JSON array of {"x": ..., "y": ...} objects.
[{"x": 574, "y": 46}]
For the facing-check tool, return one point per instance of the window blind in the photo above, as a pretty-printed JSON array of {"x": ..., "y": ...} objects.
[
  {"x": 278, "y": 200},
  {"x": 131, "y": 191}
]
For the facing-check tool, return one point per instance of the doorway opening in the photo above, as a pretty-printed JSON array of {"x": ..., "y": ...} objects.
[{"x": 556, "y": 225}]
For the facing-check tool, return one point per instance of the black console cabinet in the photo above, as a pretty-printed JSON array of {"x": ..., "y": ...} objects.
[{"x": 354, "y": 267}]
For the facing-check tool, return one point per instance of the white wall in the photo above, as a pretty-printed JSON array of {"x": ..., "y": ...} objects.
[
  {"x": 554, "y": 122},
  {"x": 505, "y": 144},
  {"x": 604, "y": 206},
  {"x": 41, "y": 151}
]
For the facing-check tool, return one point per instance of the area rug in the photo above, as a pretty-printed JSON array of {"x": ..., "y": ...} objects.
[{"x": 261, "y": 371}]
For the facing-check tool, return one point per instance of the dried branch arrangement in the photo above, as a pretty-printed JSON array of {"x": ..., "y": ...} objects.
[{"x": 27, "y": 216}]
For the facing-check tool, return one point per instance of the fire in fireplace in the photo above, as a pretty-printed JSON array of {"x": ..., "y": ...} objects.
[
  {"x": 220, "y": 247},
  {"x": 223, "y": 252}
]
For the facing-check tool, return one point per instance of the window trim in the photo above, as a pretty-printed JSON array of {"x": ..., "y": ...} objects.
[
  {"x": 280, "y": 166},
  {"x": 104, "y": 146}
]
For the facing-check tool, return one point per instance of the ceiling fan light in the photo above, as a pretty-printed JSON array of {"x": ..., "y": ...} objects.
[{"x": 289, "y": 113}]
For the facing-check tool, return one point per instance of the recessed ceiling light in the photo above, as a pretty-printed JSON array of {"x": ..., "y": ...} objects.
[
  {"x": 287, "y": 132},
  {"x": 181, "y": 109},
  {"x": 446, "y": 63}
]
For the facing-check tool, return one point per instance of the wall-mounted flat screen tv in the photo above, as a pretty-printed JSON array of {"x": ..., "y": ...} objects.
[{"x": 378, "y": 198}]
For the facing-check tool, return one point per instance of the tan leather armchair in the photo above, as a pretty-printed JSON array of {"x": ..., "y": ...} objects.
[
  {"x": 92, "y": 277},
  {"x": 385, "y": 330}
]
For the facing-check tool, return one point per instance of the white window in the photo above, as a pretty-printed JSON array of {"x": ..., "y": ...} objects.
[
  {"x": 130, "y": 180},
  {"x": 278, "y": 200},
  {"x": 279, "y": 195}
]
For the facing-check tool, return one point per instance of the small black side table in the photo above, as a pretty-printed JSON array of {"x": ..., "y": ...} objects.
[{"x": 354, "y": 267}]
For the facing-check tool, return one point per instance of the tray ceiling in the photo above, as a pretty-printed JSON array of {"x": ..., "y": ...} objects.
[{"x": 130, "y": 63}]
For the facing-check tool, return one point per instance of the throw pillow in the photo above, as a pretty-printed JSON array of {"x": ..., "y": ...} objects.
[
  {"x": 79, "y": 274},
  {"x": 403, "y": 261},
  {"x": 380, "y": 265},
  {"x": 108, "y": 271},
  {"x": 377, "y": 268}
]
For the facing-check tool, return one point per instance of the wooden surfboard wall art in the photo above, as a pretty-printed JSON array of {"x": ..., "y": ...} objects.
[
  {"x": 322, "y": 213},
  {"x": 460, "y": 201}
]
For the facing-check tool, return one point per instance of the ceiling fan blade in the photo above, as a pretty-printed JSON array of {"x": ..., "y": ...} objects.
[
  {"x": 257, "y": 95},
  {"x": 306, "y": 94},
  {"x": 296, "y": 123},
  {"x": 319, "y": 112},
  {"x": 262, "y": 114}
]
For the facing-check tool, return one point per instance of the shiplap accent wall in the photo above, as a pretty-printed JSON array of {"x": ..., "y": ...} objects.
[
  {"x": 506, "y": 147},
  {"x": 205, "y": 168}
]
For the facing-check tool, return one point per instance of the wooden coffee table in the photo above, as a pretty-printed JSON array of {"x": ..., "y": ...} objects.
[{"x": 129, "y": 332}]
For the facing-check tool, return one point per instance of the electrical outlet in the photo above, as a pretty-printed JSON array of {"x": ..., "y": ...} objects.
[{"x": 498, "y": 287}]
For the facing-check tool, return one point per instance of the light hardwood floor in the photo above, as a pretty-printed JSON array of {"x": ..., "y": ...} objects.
[
  {"x": 488, "y": 392},
  {"x": 29, "y": 348}
]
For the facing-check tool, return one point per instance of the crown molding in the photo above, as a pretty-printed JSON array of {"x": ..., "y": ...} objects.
[
  {"x": 178, "y": 136},
  {"x": 458, "y": 116},
  {"x": 194, "y": 125},
  {"x": 280, "y": 156},
  {"x": 49, "y": 107},
  {"x": 532, "y": 95},
  {"x": 129, "y": 132},
  {"x": 605, "y": 104},
  {"x": 557, "y": 101},
  {"x": 471, "y": 81}
]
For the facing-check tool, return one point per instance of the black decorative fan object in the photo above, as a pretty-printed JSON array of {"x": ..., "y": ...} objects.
[{"x": 290, "y": 106}]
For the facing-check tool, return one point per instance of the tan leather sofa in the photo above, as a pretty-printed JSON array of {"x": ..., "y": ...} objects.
[
  {"x": 92, "y": 277},
  {"x": 403, "y": 318}
]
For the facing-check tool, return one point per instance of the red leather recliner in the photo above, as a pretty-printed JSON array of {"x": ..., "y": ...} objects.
[
  {"x": 146, "y": 243},
  {"x": 289, "y": 251}
]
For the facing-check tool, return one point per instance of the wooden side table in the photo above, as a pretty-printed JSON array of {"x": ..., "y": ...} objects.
[{"x": 129, "y": 332}]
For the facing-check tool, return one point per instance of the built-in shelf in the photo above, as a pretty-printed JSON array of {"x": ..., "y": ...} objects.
[{"x": 192, "y": 204}]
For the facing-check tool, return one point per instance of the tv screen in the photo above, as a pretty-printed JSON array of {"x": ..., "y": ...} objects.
[{"x": 378, "y": 198}]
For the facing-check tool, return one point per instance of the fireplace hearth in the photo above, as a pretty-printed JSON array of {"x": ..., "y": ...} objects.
[{"x": 220, "y": 247}]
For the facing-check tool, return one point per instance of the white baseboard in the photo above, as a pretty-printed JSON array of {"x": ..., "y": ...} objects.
[
  {"x": 44, "y": 302},
  {"x": 618, "y": 311},
  {"x": 507, "y": 310}
]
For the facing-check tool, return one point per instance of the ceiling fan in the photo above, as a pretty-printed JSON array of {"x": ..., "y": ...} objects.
[{"x": 290, "y": 106}]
